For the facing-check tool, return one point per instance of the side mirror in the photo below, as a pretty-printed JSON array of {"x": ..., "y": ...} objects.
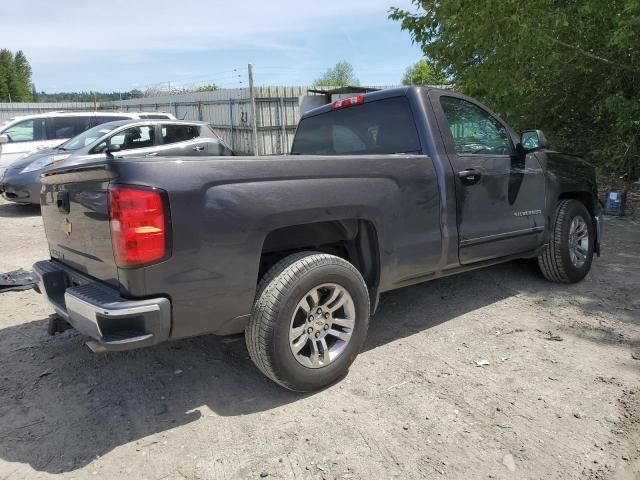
[
  {"x": 4, "y": 139},
  {"x": 532, "y": 140},
  {"x": 111, "y": 149}
]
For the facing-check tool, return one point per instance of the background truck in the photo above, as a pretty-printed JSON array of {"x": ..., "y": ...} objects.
[{"x": 380, "y": 191}]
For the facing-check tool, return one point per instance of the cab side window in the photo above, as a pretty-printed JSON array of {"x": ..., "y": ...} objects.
[
  {"x": 134, "y": 137},
  {"x": 33, "y": 130},
  {"x": 474, "y": 131},
  {"x": 179, "y": 133}
]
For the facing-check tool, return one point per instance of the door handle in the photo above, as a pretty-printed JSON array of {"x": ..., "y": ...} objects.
[
  {"x": 154, "y": 154},
  {"x": 198, "y": 148},
  {"x": 470, "y": 176}
]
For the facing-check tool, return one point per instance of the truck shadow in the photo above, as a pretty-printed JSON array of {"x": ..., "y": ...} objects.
[
  {"x": 61, "y": 405},
  {"x": 13, "y": 210}
]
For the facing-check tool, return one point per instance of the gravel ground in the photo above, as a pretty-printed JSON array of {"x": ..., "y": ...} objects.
[{"x": 490, "y": 374}]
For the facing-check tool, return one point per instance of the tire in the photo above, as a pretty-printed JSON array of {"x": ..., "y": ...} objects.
[
  {"x": 556, "y": 261},
  {"x": 280, "y": 308}
]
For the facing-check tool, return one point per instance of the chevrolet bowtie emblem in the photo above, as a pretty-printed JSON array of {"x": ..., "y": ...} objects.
[{"x": 66, "y": 226}]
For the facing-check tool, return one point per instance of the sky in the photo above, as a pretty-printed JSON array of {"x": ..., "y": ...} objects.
[{"x": 83, "y": 45}]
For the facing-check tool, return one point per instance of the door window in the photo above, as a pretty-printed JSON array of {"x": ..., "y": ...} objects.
[
  {"x": 27, "y": 131},
  {"x": 134, "y": 137},
  {"x": 67, "y": 127},
  {"x": 179, "y": 133},
  {"x": 474, "y": 130}
]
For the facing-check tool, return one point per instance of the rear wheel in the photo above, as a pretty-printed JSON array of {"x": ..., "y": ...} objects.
[
  {"x": 568, "y": 256},
  {"x": 309, "y": 321}
]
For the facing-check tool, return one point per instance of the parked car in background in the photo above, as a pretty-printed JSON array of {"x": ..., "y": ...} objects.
[
  {"x": 20, "y": 183},
  {"x": 21, "y": 136}
]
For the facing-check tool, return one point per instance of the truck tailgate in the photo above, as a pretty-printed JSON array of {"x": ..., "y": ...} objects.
[{"x": 75, "y": 212}]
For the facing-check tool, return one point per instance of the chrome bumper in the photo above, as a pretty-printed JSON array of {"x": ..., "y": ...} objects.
[{"x": 98, "y": 311}]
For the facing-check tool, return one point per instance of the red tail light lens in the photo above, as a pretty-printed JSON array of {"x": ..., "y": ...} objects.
[
  {"x": 347, "y": 102},
  {"x": 138, "y": 225}
]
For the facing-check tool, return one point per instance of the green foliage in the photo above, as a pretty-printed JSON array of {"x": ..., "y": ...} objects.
[
  {"x": 424, "y": 73},
  {"x": 15, "y": 77},
  {"x": 23, "y": 77},
  {"x": 212, "y": 87},
  {"x": 571, "y": 68},
  {"x": 341, "y": 75},
  {"x": 82, "y": 96}
]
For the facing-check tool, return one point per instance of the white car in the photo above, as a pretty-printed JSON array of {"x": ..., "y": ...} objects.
[{"x": 21, "y": 136}]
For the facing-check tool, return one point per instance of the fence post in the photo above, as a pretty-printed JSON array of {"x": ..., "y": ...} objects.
[
  {"x": 283, "y": 143},
  {"x": 233, "y": 141},
  {"x": 253, "y": 111}
]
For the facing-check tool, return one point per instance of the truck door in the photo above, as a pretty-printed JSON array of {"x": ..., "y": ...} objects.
[{"x": 499, "y": 194}]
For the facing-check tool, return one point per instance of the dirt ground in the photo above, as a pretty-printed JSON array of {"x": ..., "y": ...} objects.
[{"x": 558, "y": 399}]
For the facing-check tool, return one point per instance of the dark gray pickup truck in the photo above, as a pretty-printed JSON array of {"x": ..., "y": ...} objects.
[{"x": 380, "y": 191}]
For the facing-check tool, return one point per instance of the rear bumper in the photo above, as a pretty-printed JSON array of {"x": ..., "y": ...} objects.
[{"x": 98, "y": 311}]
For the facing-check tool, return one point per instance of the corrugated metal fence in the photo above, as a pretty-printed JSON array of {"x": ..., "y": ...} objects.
[
  {"x": 228, "y": 111},
  {"x": 9, "y": 110}
]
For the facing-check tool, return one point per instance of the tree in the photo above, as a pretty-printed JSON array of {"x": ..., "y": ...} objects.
[
  {"x": 15, "y": 77},
  {"x": 23, "y": 78},
  {"x": 7, "y": 77},
  {"x": 212, "y": 87},
  {"x": 424, "y": 73},
  {"x": 341, "y": 75},
  {"x": 570, "y": 68}
]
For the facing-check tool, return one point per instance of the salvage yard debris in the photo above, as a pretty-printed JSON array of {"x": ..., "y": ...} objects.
[
  {"x": 551, "y": 336},
  {"x": 16, "y": 280}
]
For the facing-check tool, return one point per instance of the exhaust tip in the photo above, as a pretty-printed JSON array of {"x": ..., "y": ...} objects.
[{"x": 96, "y": 347}]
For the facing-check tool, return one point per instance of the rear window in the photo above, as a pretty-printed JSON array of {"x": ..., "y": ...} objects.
[
  {"x": 100, "y": 119},
  {"x": 155, "y": 116},
  {"x": 381, "y": 127}
]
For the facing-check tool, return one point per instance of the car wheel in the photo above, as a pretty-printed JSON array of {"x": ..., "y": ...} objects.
[
  {"x": 568, "y": 256},
  {"x": 309, "y": 321}
]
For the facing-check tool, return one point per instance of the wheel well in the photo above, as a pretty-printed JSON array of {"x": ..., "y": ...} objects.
[
  {"x": 585, "y": 198},
  {"x": 353, "y": 240}
]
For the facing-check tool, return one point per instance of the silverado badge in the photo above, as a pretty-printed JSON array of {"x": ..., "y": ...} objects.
[{"x": 66, "y": 226}]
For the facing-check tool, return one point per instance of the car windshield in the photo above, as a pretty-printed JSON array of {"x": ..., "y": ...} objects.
[{"x": 88, "y": 137}]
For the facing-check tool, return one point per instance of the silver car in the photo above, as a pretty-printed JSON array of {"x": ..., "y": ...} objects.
[
  {"x": 21, "y": 136},
  {"x": 150, "y": 138}
]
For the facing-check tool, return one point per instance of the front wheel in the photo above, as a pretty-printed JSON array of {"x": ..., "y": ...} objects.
[
  {"x": 309, "y": 321},
  {"x": 568, "y": 256}
]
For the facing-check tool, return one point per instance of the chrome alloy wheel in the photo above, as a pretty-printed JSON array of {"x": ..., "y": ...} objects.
[
  {"x": 578, "y": 241},
  {"x": 322, "y": 325}
]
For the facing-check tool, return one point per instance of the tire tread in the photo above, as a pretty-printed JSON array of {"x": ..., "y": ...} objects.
[
  {"x": 550, "y": 260},
  {"x": 270, "y": 296}
]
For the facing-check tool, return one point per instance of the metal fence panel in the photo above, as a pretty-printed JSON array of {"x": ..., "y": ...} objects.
[
  {"x": 228, "y": 112},
  {"x": 10, "y": 110}
]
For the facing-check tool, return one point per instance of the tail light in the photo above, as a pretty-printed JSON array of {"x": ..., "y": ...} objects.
[
  {"x": 138, "y": 225},
  {"x": 347, "y": 102}
]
